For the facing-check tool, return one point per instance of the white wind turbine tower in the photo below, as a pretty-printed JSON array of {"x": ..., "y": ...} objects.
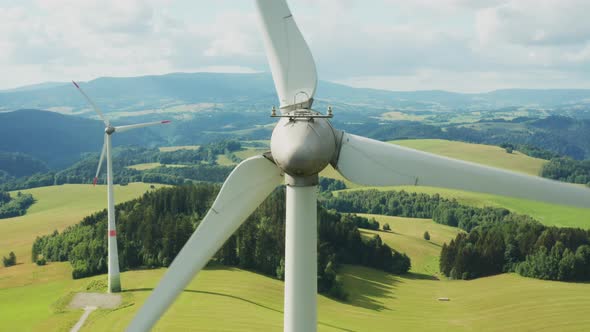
[
  {"x": 302, "y": 144},
  {"x": 114, "y": 283}
]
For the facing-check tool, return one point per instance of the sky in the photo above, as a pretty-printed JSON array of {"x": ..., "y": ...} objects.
[{"x": 454, "y": 45}]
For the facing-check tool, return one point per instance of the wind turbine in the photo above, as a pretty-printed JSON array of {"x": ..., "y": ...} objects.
[
  {"x": 114, "y": 280},
  {"x": 302, "y": 144}
]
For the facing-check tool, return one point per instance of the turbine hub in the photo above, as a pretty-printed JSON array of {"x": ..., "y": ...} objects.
[
  {"x": 302, "y": 145},
  {"x": 109, "y": 130}
]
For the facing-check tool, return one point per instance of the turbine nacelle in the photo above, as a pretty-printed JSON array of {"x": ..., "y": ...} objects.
[
  {"x": 109, "y": 130},
  {"x": 303, "y": 144}
]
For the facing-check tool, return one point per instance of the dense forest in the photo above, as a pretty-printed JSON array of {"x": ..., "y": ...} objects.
[
  {"x": 413, "y": 205},
  {"x": 152, "y": 230},
  {"x": 14, "y": 206},
  {"x": 530, "y": 150},
  {"x": 519, "y": 244},
  {"x": 567, "y": 170},
  {"x": 16, "y": 164}
]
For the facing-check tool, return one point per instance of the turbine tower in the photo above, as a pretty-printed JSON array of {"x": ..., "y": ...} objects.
[
  {"x": 302, "y": 144},
  {"x": 114, "y": 279}
]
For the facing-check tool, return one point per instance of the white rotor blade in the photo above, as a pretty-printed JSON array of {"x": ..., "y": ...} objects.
[
  {"x": 374, "y": 163},
  {"x": 104, "y": 148},
  {"x": 243, "y": 191},
  {"x": 291, "y": 62},
  {"x": 96, "y": 109},
  {"x": 121, "y": 129}
]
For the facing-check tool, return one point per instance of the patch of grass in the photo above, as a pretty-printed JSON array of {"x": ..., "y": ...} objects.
[
  {"x": 144, "y": 166},
  {"x": 229, "y": 299},
  {"x": 248, "y": 152},
  {"x": 406, "y": 236},
  {"x": 179, "y": 147},
  {"x": 397, "y": 116},
  {"x": 223, "y": 160},
  {"x": 478, "y": 153},
  {"x": 378, "y": 301},
  {"x": 56, "y": 208}
]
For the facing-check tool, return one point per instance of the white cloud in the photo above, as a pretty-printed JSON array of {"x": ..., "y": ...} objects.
[
  {"x": 471, "y": 81},
  {"x": 536, "y": 22},
  {"x": 352, "y": 40}
]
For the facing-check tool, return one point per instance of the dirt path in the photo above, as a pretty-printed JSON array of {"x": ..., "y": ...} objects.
[{"x": 80, "y": 322}]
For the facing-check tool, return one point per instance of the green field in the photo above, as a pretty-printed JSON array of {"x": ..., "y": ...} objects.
[
  {"x": 242, "y": 154},
  {"x": 56, "y": 208},
  {"x": 179, "y": 147},
  {"x": 406, "y": 235},
  {"x": 478, "y": 153},
  {"x": 548, "y": 214},
  {"x": 223, "y": 160},
  {"x": 229, "y": 299}
]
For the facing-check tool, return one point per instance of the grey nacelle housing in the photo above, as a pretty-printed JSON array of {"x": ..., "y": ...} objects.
[{"x": 303, "y": 146}]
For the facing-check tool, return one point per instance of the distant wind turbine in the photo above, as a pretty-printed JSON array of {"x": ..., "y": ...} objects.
[
  {"x": 114, "y": 283},
  {"x": 303, "y": 143}
]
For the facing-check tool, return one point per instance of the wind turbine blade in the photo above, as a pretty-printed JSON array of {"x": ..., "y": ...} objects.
[
  {"x": 121, "y": 129},
  {"x": 374, "y": 163},
  {"x": 243, "y": 191},
  {"x": 96, "y": 109},
  {"x": 291, "y": 62},
  {"x": 104, "y": 148}
]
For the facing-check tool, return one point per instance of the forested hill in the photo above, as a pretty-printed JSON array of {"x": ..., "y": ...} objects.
[
  {"x": 153, "y": 229},
  {"x": 59, "y": 140}
]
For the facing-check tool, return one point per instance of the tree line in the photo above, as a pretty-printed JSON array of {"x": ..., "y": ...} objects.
[
  {"x": 14, "y": 206},
  {"x": 16, "y": 164},
  {"x": 413, "y": 205},
  {"x": 567, "y": 170},
  {"x": 518, "y": 244},
  {"x": 153, "y": 229}
]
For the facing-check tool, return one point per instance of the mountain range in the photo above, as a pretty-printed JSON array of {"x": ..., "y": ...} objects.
[
  {"x": 146, "y": 92},
  {"x": 206, "y": 107}
]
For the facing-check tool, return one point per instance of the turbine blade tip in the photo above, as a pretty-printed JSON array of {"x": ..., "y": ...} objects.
[
  {"x": 76, "y": 84},
  {"x": 166, "y": 121}
]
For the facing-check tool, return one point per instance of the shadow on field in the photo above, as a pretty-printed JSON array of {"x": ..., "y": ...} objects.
[
  {"x": 368, "y": 288},
  {"x": 236, "y": 298},
  {"x": 419, "y": 276}
]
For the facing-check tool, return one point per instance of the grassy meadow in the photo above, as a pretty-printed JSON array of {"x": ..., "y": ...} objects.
[
  {"x": 56, "y": 208},
  {"x": 230, "y": 299},
  {"x": 478, "y": 153},
  {"x": 179, "y": 147}
]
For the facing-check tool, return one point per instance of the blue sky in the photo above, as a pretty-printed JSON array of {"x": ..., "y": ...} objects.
[{"x": 456, "y": 45}]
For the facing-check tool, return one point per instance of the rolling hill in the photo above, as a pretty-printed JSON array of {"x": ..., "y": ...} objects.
[
  {"x": 58, "y": 207},
  {"x": 59, "y": 140},
  {"x": 232, "y": 299},
  {"x": 548, "y": 214},
  {"x": 478, "y": 153}
]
